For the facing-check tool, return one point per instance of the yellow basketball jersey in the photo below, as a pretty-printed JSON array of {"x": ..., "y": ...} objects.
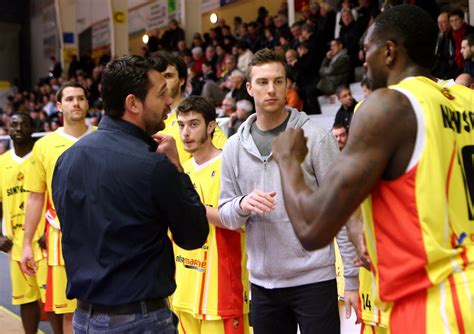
[
  {"x": 419, "y": 227},
  {"x": 39, "y": 179},
  {"x": 14, "y": 196},
  {"x": 212, "y": 282},
  {"x": 171, "y": 129}
]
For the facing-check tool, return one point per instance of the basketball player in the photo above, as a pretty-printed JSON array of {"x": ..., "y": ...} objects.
[
  {"x": 26, "y": 290},
  {"x": 175, "y": 75},
  {"x": 72, "y": 102},
  {"x": 212, "y": 282},
  {"x": 410, "y": 152}
]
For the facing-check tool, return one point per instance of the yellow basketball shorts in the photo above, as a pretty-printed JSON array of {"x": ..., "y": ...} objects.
[
  {"x": 56, "y": 300},
  {"x": 25, "y": 288}
]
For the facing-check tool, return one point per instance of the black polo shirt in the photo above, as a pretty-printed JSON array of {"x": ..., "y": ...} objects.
[{"x": 116, "y": 198}]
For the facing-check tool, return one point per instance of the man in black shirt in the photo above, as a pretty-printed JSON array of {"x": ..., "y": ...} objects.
[
  {"x": 348, "y": 103},
  {"x": 117, "y": 197}
]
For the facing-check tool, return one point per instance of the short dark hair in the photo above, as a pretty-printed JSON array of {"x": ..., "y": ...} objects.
[
  {"x": 266, "y": 56},
  {"x": 24, "y": 115},
  {"x": 340, "y": 126},
  {"x": 127, "y": 75},
  {"x": 457, "y": 12},
  {"x": 69, "y": 84},
  {"x": 469, "y": 39},
  {"x": 411, "y": 27},
  {"x": 200, "y": 105},
  {"x": 174, "y": 59},
  {"x": 340, "y": 88}
]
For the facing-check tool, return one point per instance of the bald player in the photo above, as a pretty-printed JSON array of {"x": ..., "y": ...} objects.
[{"x": 410, "y": 156}]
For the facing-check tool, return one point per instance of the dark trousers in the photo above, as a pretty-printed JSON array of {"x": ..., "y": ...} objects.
[{"x": 313, "y": 307}]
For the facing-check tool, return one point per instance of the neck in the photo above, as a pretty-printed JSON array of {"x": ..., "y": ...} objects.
[
  {"x": 75, "y": 129},
  {"x": 206, "y": 153},
  {"x": 177, "y": 100},
  {"x": 411, "y": 70},
  {"x": 23, "y": 149},
  {"x": 267, "y": 121}
]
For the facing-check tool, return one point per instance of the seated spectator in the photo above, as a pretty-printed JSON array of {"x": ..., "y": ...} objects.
[
  {"x": 243, "y": 109},
  {"x": 366, "y": 86},
  {"x": 227, "y": 108},
  {"x": 341, "y": 133},
  {"x": 245, "y": 55},
  {"x": 198, "y": 59},
  {"x": 269, "y": 41},
  {"x": 237, "y": 86},
  {"x": 465, "y": 79},
  {"x": 335, "y": 70},
  {"x": 350, "y": 36},
  {"x": 343, "y": 4},
  {"x": 467, "y": 51},
  {"x": 444, "y": 66},
  {"x": 211, "y": 56},
  {"x": 348, "y": 103},
  {"x": 292, "y": 98}
]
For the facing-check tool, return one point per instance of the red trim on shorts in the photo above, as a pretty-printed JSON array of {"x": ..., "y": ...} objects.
[
  {"x": 409, "y": 314},
  {"x": 182, "y": 327},
  {"x": 229, "y": 327},
  {"x": 203, "y": 281},
  {"x": 230, "y": 290},
  {"x": 48, "y": 306},
  {"x": 456, "y": 305}
]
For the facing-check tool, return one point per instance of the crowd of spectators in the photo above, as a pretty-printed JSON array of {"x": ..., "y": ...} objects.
[{"x": 323, "y": 50}]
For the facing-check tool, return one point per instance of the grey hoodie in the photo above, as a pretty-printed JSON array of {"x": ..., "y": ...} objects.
[{"x": 276, "y": 258}]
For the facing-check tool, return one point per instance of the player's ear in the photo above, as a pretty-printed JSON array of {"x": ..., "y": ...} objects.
[
  {"x": 211, "y": 127},
  {"x": 390, "y": 52}
]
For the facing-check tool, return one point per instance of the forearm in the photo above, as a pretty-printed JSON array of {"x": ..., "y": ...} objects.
[
  {"x": 213, "y": 217},
  {"x": 34, "y": 208},
  {"x": 231, "y": 214},
  {"x": 348, "y": 253}
]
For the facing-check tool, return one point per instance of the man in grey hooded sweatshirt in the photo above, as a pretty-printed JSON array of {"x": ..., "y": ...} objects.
[{"x": 290, "y": 286}]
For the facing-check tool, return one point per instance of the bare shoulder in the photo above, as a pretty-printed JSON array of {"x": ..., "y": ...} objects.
[{"x": 385, "y": 127}]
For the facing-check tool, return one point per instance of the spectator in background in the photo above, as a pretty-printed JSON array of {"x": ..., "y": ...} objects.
[
  {"x": 465, "y": 79},
  {"x": 238, "y": 22},
  {"x": 467, "y": 51},
  {"x": 55, "y": 69},
  {"x": 460, "y": 29},
  {"x": 172, "y": 36},
  {"x": 243, "y": 109},
  {"x": 335, "y": 70},
  {"x": 444, "y": 66},
  {"x": 348, "y": 103},
  {"x": 343, "y": 4},
  {"x": 366, "y": 86},
  {"x": 245, "y": 55},
  {"x": 326, "y": 23},
  {"x": 341, "y": 133},
  {"x": 227, "y": 108},
  {"x": 198, "y": 59},
  {"x": 292, "y": 98},
  {"x": 237, "y": 85},
  {"x": 305, "y": 71},
  {"x": 350, "y": 36},
  {"x": 296, "y": 31}
]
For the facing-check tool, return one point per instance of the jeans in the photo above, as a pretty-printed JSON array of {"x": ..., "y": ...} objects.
[
  {"x": 313, "y": 307},
  {"x": 158, "y": 321}
]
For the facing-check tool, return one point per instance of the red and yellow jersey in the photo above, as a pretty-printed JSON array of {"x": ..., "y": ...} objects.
[
  {"x": 14, "y": 196},
  {"x": 212, "y": 282},
  {"x": 172, "y": 129},
  {"x": 39, "y": 178},
  {"x": 419, "y": 227}
]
